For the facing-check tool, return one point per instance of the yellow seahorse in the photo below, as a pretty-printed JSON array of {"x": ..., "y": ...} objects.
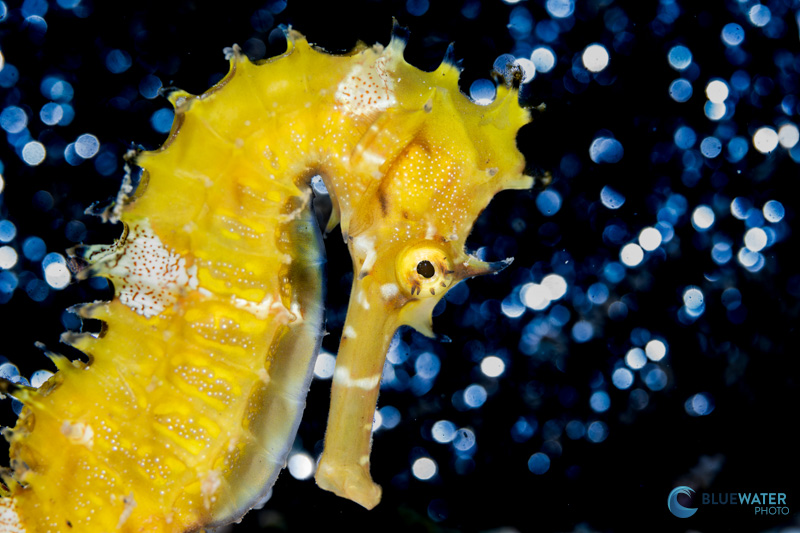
[{"x": 187, "y": 409}]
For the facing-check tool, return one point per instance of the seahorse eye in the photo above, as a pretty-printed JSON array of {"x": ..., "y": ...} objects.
[{"x": 424, "y": 269}]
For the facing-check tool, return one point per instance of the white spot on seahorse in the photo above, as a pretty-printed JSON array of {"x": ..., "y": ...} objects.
[
  {"x": 270, "y": 306},
  {"x": 342, "y": 377},
  {"x": 9, "y": 518},
  {"x": 149, "y": 276},
  {"x": 296, "y": 314},
  {"x": 130, "y": 504},
  {"x": 209, "y": 485},
  {"x": 368, "y": 87},
  {"x": 262, "y": 309},
  {"x": 389, "y": 290},
  {"x": 365, "y": 246},
  {"x": 78, "y": 433},
  {"x": 430, "y": 233},
  {"x": 349, "y": 332},
  {"x": 192, "y": 272},
  {"x": 362, "y": 299}
]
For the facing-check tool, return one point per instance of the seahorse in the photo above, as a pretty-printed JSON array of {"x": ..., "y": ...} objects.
[{"x": 194, "y": 388}]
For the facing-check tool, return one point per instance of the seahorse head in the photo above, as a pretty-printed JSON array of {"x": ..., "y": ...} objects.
[{"x": 432, "y": 160}]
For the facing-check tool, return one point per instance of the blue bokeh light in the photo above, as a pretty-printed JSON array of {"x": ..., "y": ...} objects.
[
  {"x": 600, "y": 401},
  {"x": 680, "y": 90},
  {"x": 548, "y": 202},
  {"x": 161, "y": 121},
  {"x": 732, "y": 34},
  {"x": 118, "y": 61},
  {"x": 679, "y": 57},
  {"x": 539, "y": 463}
]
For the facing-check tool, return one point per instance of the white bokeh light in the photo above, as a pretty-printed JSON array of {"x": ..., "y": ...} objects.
[
  {"x": 635, "y": 358},
  {"x": 747, "y": 258},
  {"x": 424, "y": 468},
  {"x": 528, "y": 68},
  {"x": 492, "y": 366},
  {"x": 33, "y": 153},
  {"x": 39, "y": 377},
  {"x": 325, "y": 365},
  {"x": 87, "y": 146},
  {"x": 788, "y": 135},
  {"x": 8, "y": 257},
  {"x": 702, "y": 218},
  {"x": 765, "y": 139},
  {"x": 543, "y": 59},
  {"x": 717, "y": 91},
  {"x": 693, "y": 298},
  {"x": 57, "y": 275},
  {"x": 655, "y": 350},
  {"x": 715, "y": 111},
  {"x": 631, "y": 254},
  {"x": 301, "y": 465},
  {"x": 556, "y": 286},
  {"x": 595, "y": 57},
  {"x": 535, "y": 296},
  {"x": 755, "y": 239},
  {"x": 650, "y": 239}
]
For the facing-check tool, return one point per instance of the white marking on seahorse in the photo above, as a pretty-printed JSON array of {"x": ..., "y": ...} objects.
[
  {"x": 365, "y": 246},
  {"x": 269, "y": 306},
  {"x": 430, "y": 233},
  {"x": 362, "y": 299},
  {"x": 368, "y": 87},
  {"x": 130, "y": 504},
  {"x": 260, "y": 310},
  {"x": 9, "y": 518},
  {"x": 341, "y": 376},
  {"x": 349, "y": 332},
  {"x": 389, "y": 290},
  {"x": 209, "y": 485},
  {"x": 78, "y": 433},
  {"x": 149, "y": 276},
  {"x": 296, "y": 314}
]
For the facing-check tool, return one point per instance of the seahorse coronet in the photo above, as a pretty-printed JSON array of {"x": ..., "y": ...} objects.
[{"x": 195, "y": 387}]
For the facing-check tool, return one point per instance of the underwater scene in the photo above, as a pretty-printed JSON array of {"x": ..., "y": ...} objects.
[{"x": 634, "y": 368}]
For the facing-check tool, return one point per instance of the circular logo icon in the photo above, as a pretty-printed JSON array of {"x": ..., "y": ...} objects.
[{"x": 676, "y": 508}]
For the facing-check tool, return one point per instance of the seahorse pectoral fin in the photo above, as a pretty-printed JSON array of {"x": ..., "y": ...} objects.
[{"x": 344, "y": 465}]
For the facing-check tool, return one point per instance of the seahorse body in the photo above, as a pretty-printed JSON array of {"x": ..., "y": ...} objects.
[{"x": 185, "y": 414}]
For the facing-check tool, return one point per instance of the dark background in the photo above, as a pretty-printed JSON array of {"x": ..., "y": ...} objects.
[{"x": 745, "y": 361}]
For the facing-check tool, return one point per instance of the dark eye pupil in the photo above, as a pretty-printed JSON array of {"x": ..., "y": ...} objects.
[{"x": 425, "y": 269}]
